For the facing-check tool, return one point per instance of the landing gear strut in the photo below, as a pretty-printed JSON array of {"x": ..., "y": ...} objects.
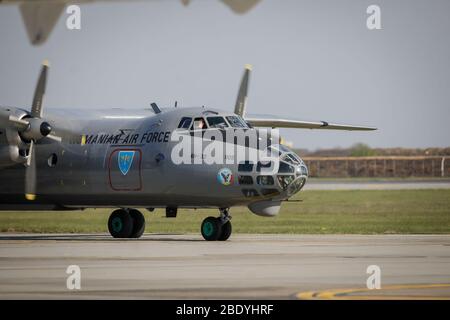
[
  {"x": 126, "y": 223},
  {"x": 217, "y": 228}
]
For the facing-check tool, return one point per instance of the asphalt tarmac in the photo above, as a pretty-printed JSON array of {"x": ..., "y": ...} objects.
[{"x": 161, "y": 266}]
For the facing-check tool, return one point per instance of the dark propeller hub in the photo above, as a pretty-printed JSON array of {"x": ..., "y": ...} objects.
[{"x": 45, "y": 128}]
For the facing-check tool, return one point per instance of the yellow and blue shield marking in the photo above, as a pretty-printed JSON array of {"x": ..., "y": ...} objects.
[{"x": 125, "y": 160}]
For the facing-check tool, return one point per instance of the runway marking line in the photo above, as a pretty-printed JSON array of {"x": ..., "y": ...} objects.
[{"x": 344, "y": 294}]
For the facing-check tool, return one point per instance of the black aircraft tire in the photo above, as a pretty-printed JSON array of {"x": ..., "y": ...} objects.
[
  {"x": 120, "y": 224},
  {"x": 226, "y": 231},
  {"x": 211, "y": 229},
  {"x": 138, "y": 223}
]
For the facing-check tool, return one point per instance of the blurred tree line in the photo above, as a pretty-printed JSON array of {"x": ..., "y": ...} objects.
[{"x": 364, "y": 150}]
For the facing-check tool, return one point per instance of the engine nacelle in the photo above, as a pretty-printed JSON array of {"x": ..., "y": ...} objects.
[
  {"x": 13, "y": 149},
  {"x": 9, "y": 155}
]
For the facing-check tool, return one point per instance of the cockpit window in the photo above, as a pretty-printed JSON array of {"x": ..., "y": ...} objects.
[
  {"x": 217, "y": 122},
  {"x": 236, "y": 122},
  {"x": 199, "y": 124},
  {"x": 185, "y": 123}
]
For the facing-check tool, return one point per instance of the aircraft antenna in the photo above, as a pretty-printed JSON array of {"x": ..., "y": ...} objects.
[{"x": 155, "y": 108}]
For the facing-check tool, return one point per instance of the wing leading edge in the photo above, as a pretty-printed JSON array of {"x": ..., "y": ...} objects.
[{"x": 280, "y": 122}]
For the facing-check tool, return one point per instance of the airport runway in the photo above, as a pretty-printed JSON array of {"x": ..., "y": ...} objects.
[
  {"x": 376, "y": 184},
  {"x": 248, "y": 266}
]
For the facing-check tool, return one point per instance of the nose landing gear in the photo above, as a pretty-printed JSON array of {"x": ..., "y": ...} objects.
[
  {"x": 213, "y": 228},
  {"x": 126, "y": 223}
]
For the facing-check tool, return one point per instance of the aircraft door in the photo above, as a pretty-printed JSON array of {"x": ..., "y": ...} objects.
[{"x": 124, "y": 169}]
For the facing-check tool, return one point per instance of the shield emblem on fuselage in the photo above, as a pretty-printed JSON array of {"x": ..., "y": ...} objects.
[
  {"x": 125, "y": 159},
  {"x": 124, "y": 169}
]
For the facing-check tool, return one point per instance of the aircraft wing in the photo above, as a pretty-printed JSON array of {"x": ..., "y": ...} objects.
[
  {"x": 40, "y": 18},
  {"x": 282, "y": 122}
]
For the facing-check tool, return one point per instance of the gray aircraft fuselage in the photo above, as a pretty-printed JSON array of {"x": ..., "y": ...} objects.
[{"x": 88, "y": 174}]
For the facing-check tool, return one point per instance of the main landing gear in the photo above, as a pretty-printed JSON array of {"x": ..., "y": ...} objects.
[
  {"x": 217, "y": 228},
  {"x": 130, "y": 223},
  {"x": 126, "y": 223}
]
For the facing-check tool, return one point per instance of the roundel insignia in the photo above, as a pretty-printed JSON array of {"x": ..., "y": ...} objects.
[{"x": 225, "y": 176}]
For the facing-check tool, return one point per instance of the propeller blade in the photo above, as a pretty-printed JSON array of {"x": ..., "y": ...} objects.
[
  {"x": 54, "y": 138},
  {"x": 36, "y": 108},
  {"x": 20, "y": 124},
  {"x": 30, "y": 174},
  {"x": 67, "y": 135},
  {"x": 241, "y": 100}
]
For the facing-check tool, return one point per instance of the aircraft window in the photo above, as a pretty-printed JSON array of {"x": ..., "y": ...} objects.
[
  {"x": 217, "y": 122},
  {"x": 199, "y": 124},
  {"x": 293, "y": 154},
  {"x": 289, "y": 158},
  {"x": 245, "y": 180},
  {"x": 236, "y": 122},
  {"x": 270, "y": 192},
  {"x": 304, "y": 170},
  {"x": 185, "y": 123},
  {"x": 260, "y": 165},
  {"x": 297, "y": 185},
  {"x": 250, "y": 193},
  {"x": 265, "y": 180},
  {"x": 245, "y": 166},
  {"x": 285, "y": 181},
  {"x": 285, "y": 168}
]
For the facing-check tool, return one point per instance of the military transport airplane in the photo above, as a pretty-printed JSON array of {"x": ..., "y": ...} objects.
[
  {"x": 40, "y": 16},
  {"x": 70, "y": 159}
]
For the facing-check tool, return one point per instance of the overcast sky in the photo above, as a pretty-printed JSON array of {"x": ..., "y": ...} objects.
[{"x": 313, "y": 60}]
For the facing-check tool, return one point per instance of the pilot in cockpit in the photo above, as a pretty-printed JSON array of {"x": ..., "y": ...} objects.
[{"x": 199, "y": 124}]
